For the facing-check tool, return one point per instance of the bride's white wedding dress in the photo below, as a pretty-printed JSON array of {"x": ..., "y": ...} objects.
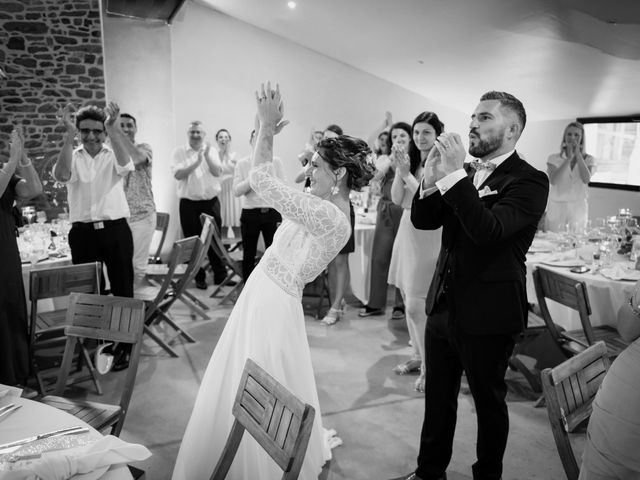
[{"x": 267, "y": 325}]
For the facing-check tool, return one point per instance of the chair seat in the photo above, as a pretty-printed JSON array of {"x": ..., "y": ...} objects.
[
  {"x": 97, "y": 415},
  {"x": 609, "y": 335},
  {"x": 162, "y": 269},
  {"x": 50, "y": 319}
]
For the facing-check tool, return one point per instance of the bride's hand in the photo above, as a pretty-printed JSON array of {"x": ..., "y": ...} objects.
[{"x": 270, "y": 108}]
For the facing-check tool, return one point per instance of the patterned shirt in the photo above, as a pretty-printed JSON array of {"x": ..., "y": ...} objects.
[{"x": 137, "y": 187}]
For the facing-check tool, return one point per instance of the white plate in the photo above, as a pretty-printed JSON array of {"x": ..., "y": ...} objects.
[{"x": 576, "y": 262}]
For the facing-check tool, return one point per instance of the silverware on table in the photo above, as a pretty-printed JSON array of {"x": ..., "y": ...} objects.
[
  {"x": 55, "y": 433},
  {"x": 8, "y": 410}
]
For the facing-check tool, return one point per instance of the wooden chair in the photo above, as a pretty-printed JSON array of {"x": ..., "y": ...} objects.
[
  {"x": 46, "y": 329},
  {"x": 108, "y": 318},
  {"x": 234, "y": 267},
  {"x": 160, "y": 271},
  {"x": 569, "y": 390},
  {"x": 274, "y": 417},
  {"x": 162, "y": 225},
  {"x": 158, "y": 301},
  {"x": 573, "y": 294}
]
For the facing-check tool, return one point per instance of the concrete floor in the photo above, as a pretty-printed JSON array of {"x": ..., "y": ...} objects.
[{"x": 377, "y": 414}]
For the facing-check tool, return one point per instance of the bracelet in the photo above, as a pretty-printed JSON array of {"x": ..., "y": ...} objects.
[{"x": 635, "y": 309}]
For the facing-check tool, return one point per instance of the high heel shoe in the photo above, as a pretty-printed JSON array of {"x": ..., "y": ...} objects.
[
  {"x": 410, "y": 366},
  {"x": 333, "y": 315},
  {"x": 419, "y": 383}
]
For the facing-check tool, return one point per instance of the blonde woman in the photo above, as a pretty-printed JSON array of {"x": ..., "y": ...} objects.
[{"x": 569, "y": 174}]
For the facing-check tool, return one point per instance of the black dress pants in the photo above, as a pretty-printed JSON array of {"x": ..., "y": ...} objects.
[
  {"x": 109, "y": 242},
  {"x": 190, "y": 211},
  {"x": 483, "y": 358},
  {"x": 254, "y": 221}
]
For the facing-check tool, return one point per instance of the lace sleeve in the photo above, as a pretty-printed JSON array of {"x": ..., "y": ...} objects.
[{"x": 322, "y": 218}]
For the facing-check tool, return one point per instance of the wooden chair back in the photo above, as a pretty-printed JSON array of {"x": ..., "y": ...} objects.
[
  {"x": 569, "y": 390},
  {"x": 568, "y": 292},
  {"x": 218, "y": 247},
  {"x": 162, "y": 225},
  {"x": 60, "y": 282},
  {"x": 276, "y": 418},
  {"x": 107, "y": 318}
]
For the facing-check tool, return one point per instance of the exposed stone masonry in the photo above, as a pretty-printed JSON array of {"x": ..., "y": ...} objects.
[{"x": 51, "y": 52}]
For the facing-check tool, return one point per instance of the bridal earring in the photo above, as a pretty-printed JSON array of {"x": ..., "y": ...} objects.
[{"x": 335, "y": 190}]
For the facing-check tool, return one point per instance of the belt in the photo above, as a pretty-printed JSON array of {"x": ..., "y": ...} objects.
[
  {"x": 256, "y": 210},
  {"x": 98, "y": 225}
]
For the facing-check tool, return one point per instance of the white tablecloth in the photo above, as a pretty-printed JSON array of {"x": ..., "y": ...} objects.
[
  {"x": 34, "y": 418},
  {"x": 360, "y": 261},
  {"x": 606, "y": 296}
]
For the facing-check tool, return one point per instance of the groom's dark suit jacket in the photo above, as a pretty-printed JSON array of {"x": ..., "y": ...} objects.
[{"x": 481, "y": 266}]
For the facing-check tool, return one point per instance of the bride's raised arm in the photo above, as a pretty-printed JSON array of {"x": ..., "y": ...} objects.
[{"x": 320, "y": 217}]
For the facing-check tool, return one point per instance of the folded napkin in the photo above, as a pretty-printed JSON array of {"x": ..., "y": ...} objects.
[
  {"x": 78, "y": 462},
  {"x": 619, "y": 272}
]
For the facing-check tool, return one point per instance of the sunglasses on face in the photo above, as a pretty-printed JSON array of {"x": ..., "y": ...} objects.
[{"x": 87, "y": 131}]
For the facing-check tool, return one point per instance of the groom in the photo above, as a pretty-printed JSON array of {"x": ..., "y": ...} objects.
[{"x": 477, "y": 301}]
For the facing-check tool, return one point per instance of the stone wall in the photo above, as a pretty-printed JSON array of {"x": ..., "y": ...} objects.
[{"x": 51, "y": 52}]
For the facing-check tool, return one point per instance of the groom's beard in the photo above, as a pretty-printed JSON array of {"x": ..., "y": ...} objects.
[{"x": 486, "y": 146}]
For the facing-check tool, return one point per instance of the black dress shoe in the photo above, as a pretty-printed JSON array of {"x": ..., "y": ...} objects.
[
  {"x": 368, "y": 312},
  {"x": 121, "y": 357},
  {"x": 230, "y": 283},
  {"x": 201, "y": 284}
]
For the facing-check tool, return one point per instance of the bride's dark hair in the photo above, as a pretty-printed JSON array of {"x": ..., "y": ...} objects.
[{"x": 351, "y": 153}]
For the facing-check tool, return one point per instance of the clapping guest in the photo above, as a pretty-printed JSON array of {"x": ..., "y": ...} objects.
[
  {"x": 569, "y": 175},
  {"x": 613, "y": 435},
  {"x": 414, "y": 251},
  {"x": 257, "y": 216},
  {"x": 18, "y": 180},
  {"x": 388, "y": 216},
  {"x": 338, "y": 268},
  {"x": 137, "y": 188},
  {"x": 98, "y": 207},
  {"x": 230, "y": 205},
  {"x": 197, "y": 169}
]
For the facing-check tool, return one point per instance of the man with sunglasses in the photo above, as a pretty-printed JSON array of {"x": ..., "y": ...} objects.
[{"x": 98, "y": 208}]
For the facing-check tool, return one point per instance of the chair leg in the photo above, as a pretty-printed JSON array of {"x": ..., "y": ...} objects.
[
  {"x": 193, "y": 307},
  {"x": 175, "y": 326},
  {"x": 231, "y": 292},
  {"x": 196, "y": 300},
  {"x": 92, "y": 371},
  {"x": 160, "y": 342},
  {"x": 223, "y": 284}
]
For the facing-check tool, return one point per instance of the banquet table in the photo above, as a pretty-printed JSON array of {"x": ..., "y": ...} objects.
[
  {"x": 35, "y": 418},
  {"x": 606, "y": 295},
  {"x": 360, "y": 259}
]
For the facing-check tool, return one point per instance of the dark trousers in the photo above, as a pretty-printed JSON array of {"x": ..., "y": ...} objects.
[
  {"x": 387, "y": 222},
  {"x": 254, "y": 221},
  {"x": 190, "y": 211},
  {"x": 483, "y": 358},
  {"x": 109, "y": 242}
]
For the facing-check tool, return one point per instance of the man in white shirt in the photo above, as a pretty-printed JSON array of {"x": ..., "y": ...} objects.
[
  {"x": 98, "y": 208},
  {"x": 137, "y": 188},
  {"x": 197, "y": 168},
  {"x": 257, "y": 217}
]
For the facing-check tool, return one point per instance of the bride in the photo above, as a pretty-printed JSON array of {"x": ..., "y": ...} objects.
[{"x": 267, "y": 322}]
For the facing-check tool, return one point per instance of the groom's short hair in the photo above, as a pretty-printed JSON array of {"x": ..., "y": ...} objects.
[{"x": 509, "y": 102}]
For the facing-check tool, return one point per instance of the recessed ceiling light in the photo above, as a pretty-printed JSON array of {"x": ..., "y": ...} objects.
[{"x": 291, "y": 5}]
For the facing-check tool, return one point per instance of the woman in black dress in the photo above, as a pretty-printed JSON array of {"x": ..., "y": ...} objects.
[{"x": 18, "y": 179}]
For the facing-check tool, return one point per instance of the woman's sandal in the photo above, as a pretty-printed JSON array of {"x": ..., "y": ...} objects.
[
  {"x": 333, "y": 315},
  {"x": 412, "y": 365}
]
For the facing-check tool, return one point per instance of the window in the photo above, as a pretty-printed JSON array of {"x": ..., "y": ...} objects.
[{"x": 615, "y": 144}]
